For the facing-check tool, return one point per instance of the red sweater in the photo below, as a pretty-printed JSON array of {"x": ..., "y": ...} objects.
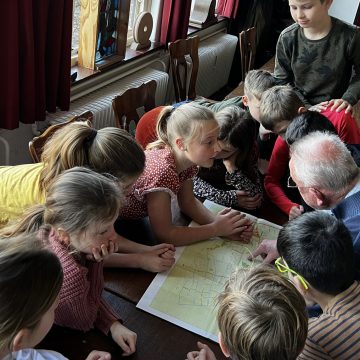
[
  {"x": 81, "y": 306},
  {"x": 348, "y": 132}
]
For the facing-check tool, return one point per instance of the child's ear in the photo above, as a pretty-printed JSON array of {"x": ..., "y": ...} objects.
[
  {"x": 180, "y": 144},
  {"x": 223, "y": 347},
  {"x": 245, "y": 100},
  {"x": 299, "y": 286},
  {"x": 302, "y": 109},
  {"x": 63, "y": 236},
  {"x": 21, "y": 339}
]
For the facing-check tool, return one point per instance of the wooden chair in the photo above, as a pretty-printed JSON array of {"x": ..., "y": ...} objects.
[
  {"x": 247, "y": 41},
  {"x": 37, "y": 143},
  {"x": 179, "y": 49},
  {"x": 125, "y": 105}
]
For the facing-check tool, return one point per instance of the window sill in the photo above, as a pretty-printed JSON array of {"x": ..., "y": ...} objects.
[
  {"x": 84, "y": 74},
  {"x": 130, "y": 55}
]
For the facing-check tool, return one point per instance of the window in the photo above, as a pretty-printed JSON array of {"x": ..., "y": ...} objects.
[{"x": 136, "y": 7}]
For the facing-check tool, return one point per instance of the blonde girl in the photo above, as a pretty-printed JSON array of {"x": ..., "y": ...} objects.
[
  {"x": 109, "y": 150},
  {"x": 30, "y": 282},
  {"x": 187, "y": 139},
  {"x": 77, "y": 221}
]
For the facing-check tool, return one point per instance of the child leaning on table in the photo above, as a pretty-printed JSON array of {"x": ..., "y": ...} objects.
[
  {"x": 317, "y": 56},
  {"x": 317, "y": 252},
  {"x": 261, "y": 316},
  {"x": 234, "y": 179},
  {"x": 30, "y": 282},
  {"x": 279, "y": 106},
  {"x": 187, "y": 138},
  {"x": 77, "y": 221},
  {"x": 109, "y": 150}
]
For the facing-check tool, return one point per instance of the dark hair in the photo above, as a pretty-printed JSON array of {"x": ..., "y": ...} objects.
[
  {"x": 30, "y": 280},
  {"x": 237, "y": 128},
  {"x": 306, "y": 123},
  {"x": 319, "y": 247}
]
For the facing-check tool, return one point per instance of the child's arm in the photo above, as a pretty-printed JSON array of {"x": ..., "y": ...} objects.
[
  {"x": 277, "y": 168},
  {"x": 204, "y": 190},
  {"x": 154, "y": 258},
  {"x": 159, "y": 210}
]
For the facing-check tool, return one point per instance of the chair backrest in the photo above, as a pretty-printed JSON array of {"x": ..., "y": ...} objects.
[
  {"x": 125, "y": 105},
  {"x": 247, "y": 40},
  {"x": 179, "y": 67},
  {"x": 37, "y": 143}
]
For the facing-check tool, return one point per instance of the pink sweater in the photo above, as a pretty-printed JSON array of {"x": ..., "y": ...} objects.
[{"x": 81, "y": 306}]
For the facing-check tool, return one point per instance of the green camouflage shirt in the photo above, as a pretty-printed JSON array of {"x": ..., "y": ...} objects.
[{"x": 322, "y": 69}]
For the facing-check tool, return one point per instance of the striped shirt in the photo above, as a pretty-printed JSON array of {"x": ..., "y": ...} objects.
[{"x": 336, "y": 333}]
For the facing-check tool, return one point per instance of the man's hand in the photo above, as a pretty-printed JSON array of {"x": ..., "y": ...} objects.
[
  {"x": 204, "y": 353},
  {"x": 267, "y": 250}
]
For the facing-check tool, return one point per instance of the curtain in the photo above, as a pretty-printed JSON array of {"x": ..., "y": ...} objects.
[
  {"x": 175, "y": 20},
  {"x": 36, "y": 59},
  {"x": 228, "y": 8}
]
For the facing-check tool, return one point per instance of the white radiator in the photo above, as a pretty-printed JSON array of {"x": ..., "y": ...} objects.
[
  {"x": 216, "y": 55},
  {"x": 99, "y": 101}
]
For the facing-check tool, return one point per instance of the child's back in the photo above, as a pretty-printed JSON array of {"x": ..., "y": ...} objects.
[{"x": 320, "y": 69}]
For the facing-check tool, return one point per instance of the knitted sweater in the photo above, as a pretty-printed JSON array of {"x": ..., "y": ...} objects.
[
  {"x": 81, "y": 306},
  {"x": 321, "y": 69}
]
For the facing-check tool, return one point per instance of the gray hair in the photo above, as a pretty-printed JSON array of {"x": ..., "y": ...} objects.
[
  {"x": 322, "y": 160},
  {"x": 256, "y": 82}
]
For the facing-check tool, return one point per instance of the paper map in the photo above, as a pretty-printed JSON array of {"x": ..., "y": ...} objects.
[{"x": 186, "y": 294}]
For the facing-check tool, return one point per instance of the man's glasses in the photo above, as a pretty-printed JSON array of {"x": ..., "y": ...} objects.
[
  {"x": 291, "y": 183},
  {"x": 283, "y": 268}
]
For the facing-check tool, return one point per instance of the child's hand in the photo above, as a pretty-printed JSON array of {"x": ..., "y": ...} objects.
[
  {"x": 340, "y": 104},
  {"x": 160, "y": 258},
  {"x": 320, "y": 107},
  {"x": 295, "y": 211},
  {"x": 99, "y": 254},
  {"x": 264, "y": 134},
  {"x": 124, "y": 337},
  {"x": 230, "y": 162},
  {"x": 267, "y": 250},
  {"x": 229, "y": 222},
  {"x": 99, "y": 355},
  {"x": 245, "y": 235},
  {"x": 205, "y": 353},
  {"x": 248, "y": 202}
]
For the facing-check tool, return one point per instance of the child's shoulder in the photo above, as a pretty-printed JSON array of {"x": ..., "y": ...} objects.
[
  {"x": 33, "y": 354},
  {"x": 291, "y": 30}
]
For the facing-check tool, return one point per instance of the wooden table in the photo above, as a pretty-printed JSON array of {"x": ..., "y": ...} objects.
[{"x": 157, "y": 338}]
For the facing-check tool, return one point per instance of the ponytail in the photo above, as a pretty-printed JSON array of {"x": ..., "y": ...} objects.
[
  {"x": 30, "y": 223},
  {"x": 161, "y": 129}
]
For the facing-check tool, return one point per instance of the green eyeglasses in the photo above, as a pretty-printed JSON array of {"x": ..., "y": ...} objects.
[{"x": 283, "y": 268}]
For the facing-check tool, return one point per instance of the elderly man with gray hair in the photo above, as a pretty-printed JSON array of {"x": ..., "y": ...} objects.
[{"x": 327, "y": 177}]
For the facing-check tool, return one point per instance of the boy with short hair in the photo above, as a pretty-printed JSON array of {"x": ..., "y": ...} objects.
[
  {"x": 278, "y": 106},
  {"x": 317, "y": 54},
  {"x": 260, "y": 316},
  {"x": 316, "y": 250}
]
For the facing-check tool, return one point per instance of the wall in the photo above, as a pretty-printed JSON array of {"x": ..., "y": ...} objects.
[{"x": 344, "y": 12}]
